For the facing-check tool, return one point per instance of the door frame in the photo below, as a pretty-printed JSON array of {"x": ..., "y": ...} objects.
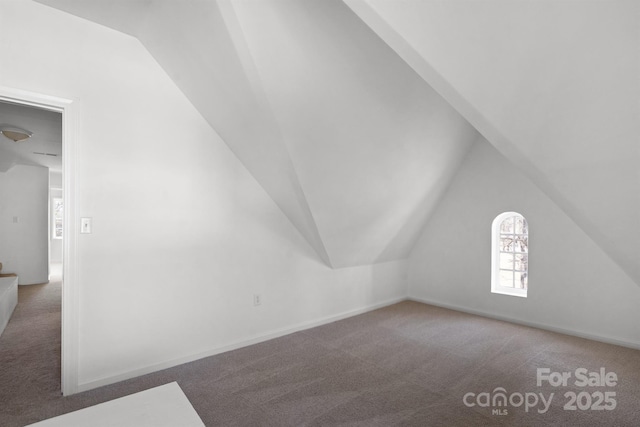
[{"x": 70, "y": 307}]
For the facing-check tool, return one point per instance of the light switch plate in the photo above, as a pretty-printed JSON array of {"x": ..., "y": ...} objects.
[{"x": 85, "y": 225}]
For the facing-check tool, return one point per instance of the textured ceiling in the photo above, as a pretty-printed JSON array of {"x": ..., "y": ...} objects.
[
  {"x": 353, "y": 145},
  {"x": 552, "y": 85}
]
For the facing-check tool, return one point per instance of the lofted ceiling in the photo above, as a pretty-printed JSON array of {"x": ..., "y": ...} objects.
[
  {"x": 372, "y": 144},
  {"x": 354, "y": 115},
  {"x": 352, "y": 144},
  {"x": 552, "y": 85},
  {"x": 44, "y": 148}
]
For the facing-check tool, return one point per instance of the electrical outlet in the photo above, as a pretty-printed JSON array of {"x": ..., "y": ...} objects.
[{"x": 257, "y": 299}]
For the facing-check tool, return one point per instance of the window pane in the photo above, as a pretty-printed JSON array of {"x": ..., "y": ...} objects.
[
  {"x": 521, "y": 262},
  {"x": 521, "y": 244},
  {"x": 506, "y": 244},
  {"x": 506, "y": 278},
  {"x": 58, "y": 209},
  {"x": 523, "y": 277},
  {"x": 506, "y": 261},
  {"x": 510, "y": 254},
  {"x": 507, "y": 225}
]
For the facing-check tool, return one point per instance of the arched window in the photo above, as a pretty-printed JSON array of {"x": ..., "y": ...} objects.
[{"x": 510, "y": 254}]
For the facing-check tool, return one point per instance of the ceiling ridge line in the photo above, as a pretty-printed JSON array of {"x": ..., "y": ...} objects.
[{"x": 234, "y": 27}]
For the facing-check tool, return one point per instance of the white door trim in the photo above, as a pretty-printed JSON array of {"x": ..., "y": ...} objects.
[{"x": 70, "y": 308}]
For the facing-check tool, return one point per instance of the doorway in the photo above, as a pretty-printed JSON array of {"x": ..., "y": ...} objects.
[{"x": 69, "y": 333}]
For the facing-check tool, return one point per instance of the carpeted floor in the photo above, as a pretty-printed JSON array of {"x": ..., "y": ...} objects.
[{"x": 407, "y": 364}]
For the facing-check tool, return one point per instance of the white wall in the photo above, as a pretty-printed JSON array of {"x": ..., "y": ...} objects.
[
  {"x": 183, "y": 236},
  {"x": 24, "y": 194},
  {"x": 573, "y": 285}
]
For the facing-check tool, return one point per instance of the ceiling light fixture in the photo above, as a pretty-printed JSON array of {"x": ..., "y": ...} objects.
[{"x": 15, "y": 134}]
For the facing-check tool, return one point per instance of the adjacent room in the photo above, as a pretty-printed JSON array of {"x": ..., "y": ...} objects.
[
  {"x": 320, "y": 212},
  {"x": 32, "y": 200}
]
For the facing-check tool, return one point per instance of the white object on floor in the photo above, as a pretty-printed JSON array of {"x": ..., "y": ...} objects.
[
  {"x": 164, "y": 406},
  {"x": 8, "y": 299}
]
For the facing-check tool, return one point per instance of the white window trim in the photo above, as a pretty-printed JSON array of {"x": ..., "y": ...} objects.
[{"x": 496, "y": 288}]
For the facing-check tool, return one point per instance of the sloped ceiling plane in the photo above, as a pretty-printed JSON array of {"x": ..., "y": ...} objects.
[{"x": 354, "y": 115}]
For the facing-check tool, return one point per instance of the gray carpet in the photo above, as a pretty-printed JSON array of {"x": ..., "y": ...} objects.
[{"x": 407, "y": 364}]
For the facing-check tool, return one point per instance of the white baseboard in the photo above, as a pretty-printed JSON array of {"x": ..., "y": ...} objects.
[
  {"x": 579, "y": 334},
  {"x": 233, "y": 346},
  {"x": 333, "y": 318}
]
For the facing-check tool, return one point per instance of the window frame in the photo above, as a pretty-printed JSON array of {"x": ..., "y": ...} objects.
[
  {"x": 496, "y": 234},
  {"x": 55, "y": 218}
]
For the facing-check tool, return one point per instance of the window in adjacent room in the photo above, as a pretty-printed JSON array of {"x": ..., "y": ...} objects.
[
  {"x": 510, "y": 254},
  {"x": 58, "y": 207}
]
